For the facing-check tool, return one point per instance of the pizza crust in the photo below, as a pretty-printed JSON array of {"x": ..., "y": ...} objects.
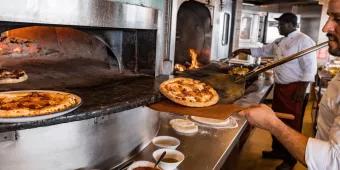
[{"x": 189, "y": 92}]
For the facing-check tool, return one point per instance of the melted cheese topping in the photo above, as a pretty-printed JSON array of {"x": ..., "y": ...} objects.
[
  {"x": 31, "y": 101},
  {"x": 192, "y": 91}
]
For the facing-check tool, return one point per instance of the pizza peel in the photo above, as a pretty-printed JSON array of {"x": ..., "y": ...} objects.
[
  {"x": 232, "y": 87},
  {"x": 228, "y": 87},
  {"x": 218, "y": 111}
]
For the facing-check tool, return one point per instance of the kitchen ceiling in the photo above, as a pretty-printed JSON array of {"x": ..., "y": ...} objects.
[{"x": 266, "y": 2}]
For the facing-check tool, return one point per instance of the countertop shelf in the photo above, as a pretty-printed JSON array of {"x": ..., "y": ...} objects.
[{"x": 210, "y": 147}]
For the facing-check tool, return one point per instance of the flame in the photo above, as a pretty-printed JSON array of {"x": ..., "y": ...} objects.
[
  {"x": 180, "y": 67},
  {"x": 194, "y": 63}
]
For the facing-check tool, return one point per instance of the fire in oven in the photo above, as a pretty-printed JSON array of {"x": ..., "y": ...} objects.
[
  {"x": 193, "y": 36},
  {"x": 200, "y": 32}
]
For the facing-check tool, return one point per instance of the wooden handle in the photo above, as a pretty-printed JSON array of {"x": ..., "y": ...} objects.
[{"x": 285, "y": 116}]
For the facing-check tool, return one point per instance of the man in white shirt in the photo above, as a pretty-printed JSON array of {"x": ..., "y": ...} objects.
[
  {"x": 322, "y": 152},
  {"x": 291, "y": 79}
]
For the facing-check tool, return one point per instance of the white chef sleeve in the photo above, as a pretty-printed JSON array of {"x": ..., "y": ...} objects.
[
  {"x": 308, "y": 62},
  {"x": 265, "y": 51},
  {"x": 322, "y": 155}
]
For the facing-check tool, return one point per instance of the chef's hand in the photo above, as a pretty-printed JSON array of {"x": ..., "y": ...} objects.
[
  {"x": 299, "y": 95},
  {"x": 260, "y": 116},
  {"x": 237, "y": 52}
]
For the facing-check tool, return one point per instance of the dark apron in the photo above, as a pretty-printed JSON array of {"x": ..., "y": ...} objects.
[{"x": 283, "y": 102}]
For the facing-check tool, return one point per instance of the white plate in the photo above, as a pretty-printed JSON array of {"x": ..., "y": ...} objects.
[
  {"x": 42, "y": 117},
  {"x": 227, "y": 123},
  {"x": 137, "y": 164},
  {"x": 210, "y": 121}
]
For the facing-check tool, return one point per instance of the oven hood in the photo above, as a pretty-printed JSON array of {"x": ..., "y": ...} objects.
[{"x": 87, "y": 13}]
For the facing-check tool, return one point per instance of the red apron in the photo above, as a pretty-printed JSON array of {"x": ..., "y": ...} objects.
[{"x": 283, "y": 102}]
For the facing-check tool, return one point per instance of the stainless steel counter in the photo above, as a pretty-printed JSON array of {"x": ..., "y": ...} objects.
[{"x": 210, "y": 147}]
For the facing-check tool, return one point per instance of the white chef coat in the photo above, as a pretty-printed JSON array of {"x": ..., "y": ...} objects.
[
  {"x": 301, "y": 69},
  {"x": 323, "y": 153}
]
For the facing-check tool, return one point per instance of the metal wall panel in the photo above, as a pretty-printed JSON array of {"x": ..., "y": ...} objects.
[
  {"x": 93, "y": 13},
  {"x": 102, "y": 142}
]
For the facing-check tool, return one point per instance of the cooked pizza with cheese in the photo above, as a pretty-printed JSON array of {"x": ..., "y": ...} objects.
[
  {"x": 240, "y": 71},
  {"x": 35, "y": 103},
  {"x": 8, "y": 76},
  {"x": 189, "y": 92}
]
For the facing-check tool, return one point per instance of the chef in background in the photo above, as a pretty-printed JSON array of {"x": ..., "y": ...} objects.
[
  {"x": 323, "y": 151},
  {"x": 291, "y": 79}
]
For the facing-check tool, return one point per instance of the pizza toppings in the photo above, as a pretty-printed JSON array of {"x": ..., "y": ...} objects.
[
  {"x": 35, "y": 103},
  {"x": 12, "y": 76},
  {"x": 5, "y": 73},
  {"x": 240, "y": 71},
  {"x": 189, "y": 92}
]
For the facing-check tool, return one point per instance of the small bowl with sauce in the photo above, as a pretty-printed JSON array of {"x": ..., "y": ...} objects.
[
  {"x": 166, "y": 142},
  {"x": 142, "y": 165},
  {"x": 171, "y": 159}
]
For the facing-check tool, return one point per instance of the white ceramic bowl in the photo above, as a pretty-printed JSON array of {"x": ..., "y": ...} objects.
[
  {"x": 170, "y": 153},
  {"x": 137, "y": 164},
  {"x": 166, "y": 142}
]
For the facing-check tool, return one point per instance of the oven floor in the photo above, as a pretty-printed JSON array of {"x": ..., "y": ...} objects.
[{"x": 67, "y": 73}]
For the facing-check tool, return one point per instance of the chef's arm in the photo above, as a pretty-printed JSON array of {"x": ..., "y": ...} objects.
[
  {"x": 293, "y": 141},
  {"x": 264, "y": 117},
  {"x": 266, "y": 50},
  {"x": 315, "y": 153}
]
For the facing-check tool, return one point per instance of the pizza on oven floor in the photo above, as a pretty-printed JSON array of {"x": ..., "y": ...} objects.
[
  {"x": 189, "y": 92},
  {"x": 8, "y": 76},
  {"x": 35, "y": 103}
]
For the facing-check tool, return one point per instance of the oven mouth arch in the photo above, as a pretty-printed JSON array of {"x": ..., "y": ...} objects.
[{"x": 194, "y": 30}]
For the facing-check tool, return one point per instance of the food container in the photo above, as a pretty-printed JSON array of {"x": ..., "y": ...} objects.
[
  {"x": 166, "y": 142},
  {"x": 171, "y": 159}
]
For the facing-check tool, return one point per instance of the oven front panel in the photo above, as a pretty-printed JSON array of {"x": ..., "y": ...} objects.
[{"x": 89, "y": 13}]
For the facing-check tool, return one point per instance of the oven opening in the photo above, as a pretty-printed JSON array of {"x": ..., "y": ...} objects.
[
  {"x": 49, "y": 43},
  {"x": 65, "y": 57},
  {"x": 193, "y": 36}
]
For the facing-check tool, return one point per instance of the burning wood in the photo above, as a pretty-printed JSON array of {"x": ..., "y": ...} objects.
[{"x": 180, "y": 67}]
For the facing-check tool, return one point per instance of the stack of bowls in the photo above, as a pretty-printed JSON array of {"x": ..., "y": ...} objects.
[{"x": 172, "y": 157}]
